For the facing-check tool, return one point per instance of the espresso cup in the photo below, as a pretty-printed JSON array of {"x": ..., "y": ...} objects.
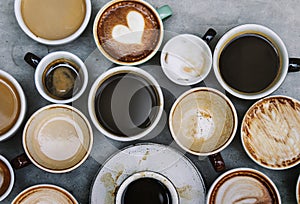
[
  {"x": 53, "y": 22},
  {"x": 243, "y": 185},
  {"x": 129, "y": 32},
  {"x": 60, "y": 77},
  {"x": 186, "y": 59},
  {"x": 7, "y": 178},
  {"x": 203, "y": 122},
  {"x": 56, "y": 138},
  {"x": 45, "y": 193},
  {"x": 251, "y": 61},
  {"x": 12, "y": 105},
  {"x": 270, "y": 132},
  {"x": 147, "y": 187},
  {"x": 125, "y": 103}
]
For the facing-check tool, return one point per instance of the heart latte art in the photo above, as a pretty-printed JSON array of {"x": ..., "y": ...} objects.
[{"x": 128, "y": 31}]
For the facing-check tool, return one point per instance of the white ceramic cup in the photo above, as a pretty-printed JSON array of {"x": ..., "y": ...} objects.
[
  {"x": 42, "y": 64},
  {"x": 186, "y": 59},
  {"x": 23, "y": 106},
  {"x": 12, "y": 178},
  {"x": 244, "y": 185},
  {"x": 147, "y": 174},
  {"x": 45, "y": 193},
  {"x": 284, "y": 61},
  {"x": 125, "y": 70},
  {"x": 18, "y": 14}
]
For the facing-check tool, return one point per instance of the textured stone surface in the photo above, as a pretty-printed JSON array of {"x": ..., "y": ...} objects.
[{"x": 190, "y": 16}]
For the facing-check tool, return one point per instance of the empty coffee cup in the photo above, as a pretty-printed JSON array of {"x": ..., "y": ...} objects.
[
  {"x": 129, "y": 32},
  {"x": 45, "y": 193},
  {"x": 56, "y": 138},
  {"x": 203, "y": 122},
  {"x": 60, "y": 77},
  {"x": 147, "y": 187},
  {"x": 53, "y": 22},
  {"x": 125, "y": 103},
  {"x": 12, "y": 105},
  {"x": 270, "y": 132},
  {"x": 7, "y": 178},
  {"x": 251, "y": 61},
  {"x": 187, "y": 59},
  {"x": 243, "y": 185}
]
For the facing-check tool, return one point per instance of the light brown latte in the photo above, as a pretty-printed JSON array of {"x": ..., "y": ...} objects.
[
  {"x": 270, "y": 132},
  {"x": 5, "y": 178}
]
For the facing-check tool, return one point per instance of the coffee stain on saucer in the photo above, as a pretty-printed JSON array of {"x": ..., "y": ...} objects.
[
  {"x": 185, "y": 192},
  {"x": 144, "y": 158}
]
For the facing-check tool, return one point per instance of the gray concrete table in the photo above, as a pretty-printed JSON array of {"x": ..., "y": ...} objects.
[{"x": 190, "y": 16}]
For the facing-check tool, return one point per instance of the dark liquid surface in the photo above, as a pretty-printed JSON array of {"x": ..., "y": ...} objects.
[
  {"x": 249, "y": 63},
  {"x": 62, "y": 79},
  {"x": 124, "y": 104},
  {"x": 5, "y": 178},
  {"x": 146, "y": 191}
]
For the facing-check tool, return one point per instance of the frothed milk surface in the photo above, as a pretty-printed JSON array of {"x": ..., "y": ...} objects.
[{"x": 53, "y": 19}]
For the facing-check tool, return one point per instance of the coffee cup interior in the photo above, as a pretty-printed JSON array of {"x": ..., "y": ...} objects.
[{"x": 7, "y": 178}]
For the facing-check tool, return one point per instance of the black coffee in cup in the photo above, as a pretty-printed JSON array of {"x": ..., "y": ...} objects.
[
  {"x": 249, "y": 63},
  {"x": 126, "y": 104},
  {"x": 146, "y": 191}
]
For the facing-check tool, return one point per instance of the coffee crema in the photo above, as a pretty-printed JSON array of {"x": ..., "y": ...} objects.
[
  {"x": 146, "y": 191},
  {"x": 53, "y": 19},
  {"x": 128, "y": 31},
  {"x": 5, "y": 178},
  {"x": 270, "y": 132},
  {"x": 249, "y": 63},
  {"x": 10, "y": 105},
  {"x": 126, "y": 104},
  {"x": 243, "y": 187}
]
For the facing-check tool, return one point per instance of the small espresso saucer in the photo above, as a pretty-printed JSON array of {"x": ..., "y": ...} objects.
[{"x": 151, "y": 157}]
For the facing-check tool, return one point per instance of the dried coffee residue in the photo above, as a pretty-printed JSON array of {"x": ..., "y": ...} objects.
[
  {"x": 144, "y": 158},
  {"x": 185, "y": 192}
]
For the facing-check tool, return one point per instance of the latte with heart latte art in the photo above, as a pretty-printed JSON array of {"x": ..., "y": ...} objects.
[{"x": 128, "y": 31}]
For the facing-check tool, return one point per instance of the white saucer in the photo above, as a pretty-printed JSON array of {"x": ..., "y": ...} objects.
[{"x": 154, "y": 157}]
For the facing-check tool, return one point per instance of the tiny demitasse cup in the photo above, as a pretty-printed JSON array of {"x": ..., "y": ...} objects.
[
  {"x": 45, "y": 193},
  {"x": 60, "y": 77},
  {"x": 203, "y": 122},
  {"x": 125, "y": 103},
  {"x": 243, "y": 185},
  {"x": 57, "y": 138},
  {"x": 270, "y": 132},
  {"x": 12, "y": 105},
  {"x": 251, "y": 61},
  {"x": 129, "y": 32},
  {"x": 186, "y": 59},
  {"x": 53, "y": 22},
  {"x": 147, "y": 187},
  {"x": 7, "y": 178}
]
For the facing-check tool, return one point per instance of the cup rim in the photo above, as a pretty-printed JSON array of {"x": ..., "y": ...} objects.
[
  {"x": 64, "y": 191},
  {"x": 298, "y": 190},
  {"x": 23, "y": 106},
  {"x": 101, "y": 79},
  {"x": 215, "y": 91},
  {"x": 238, "y": 170},
  {"x": 147, "y": 174},
  {"x": 44, "y": 63},
  {"x": 63, "y": 106},
  {"x": 75, "y": 35},
  {"x": 242, "y": 138},
  {"x": 12, "y": 179},
  {"x": 200, "y": 40},
  {"x": 110, "y": 58},
  {"x": 223, "y": 41}
]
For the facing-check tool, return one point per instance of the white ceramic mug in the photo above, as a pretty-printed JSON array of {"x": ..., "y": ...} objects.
[
  {"x": 2, "y": 179},
  {"x": 42, "y": 64},
  {"x": 18, "y": 14},
  {"x": 285, "y": 64},
  {"x": 23, "y": 105}
]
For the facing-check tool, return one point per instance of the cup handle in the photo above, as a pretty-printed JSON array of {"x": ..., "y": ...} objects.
[
  {"x": 209, "y": 35},
  {"x": 294, "y": 65},
  {"x": 217, "y": 162},
  {"x": 32, "y": 59},
  {"x": 164, "y": 12},
  {"x": 20, "y": 161}
]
